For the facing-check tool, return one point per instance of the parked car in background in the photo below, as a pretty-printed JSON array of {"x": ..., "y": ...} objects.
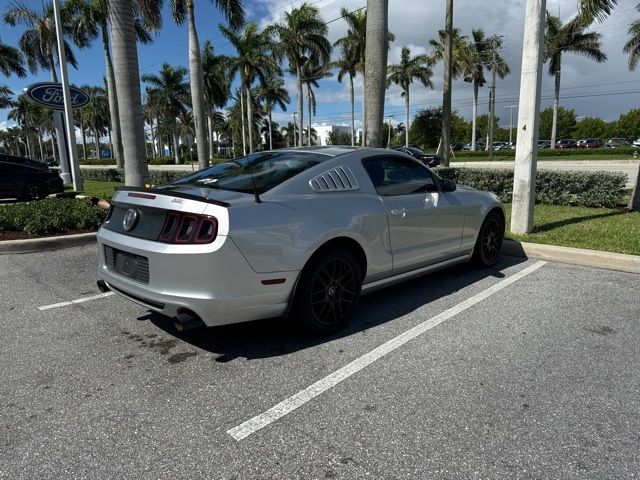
[
  {"x": 428, "y": 160},
  {"x": 457, "y": 146},
  {"x": 544, "y": 143},
  {"x": 479, "y": 146},
  {"x": 636, "y": 142},
  {"x": 619, "y": 143},
  {"x": 27, "y": 179},
  {"x": 589, "y": 143},
  {"x": 304, "y": 231},
  {"x": 567, "y": 143}
]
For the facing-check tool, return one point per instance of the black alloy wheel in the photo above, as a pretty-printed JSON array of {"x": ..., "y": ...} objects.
[
  {"x": 489, "y": 241},
  {"x": 329, "y": 291}
]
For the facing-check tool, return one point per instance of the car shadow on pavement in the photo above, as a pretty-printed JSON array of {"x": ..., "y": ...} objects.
[{"x": 275, "y": 337}]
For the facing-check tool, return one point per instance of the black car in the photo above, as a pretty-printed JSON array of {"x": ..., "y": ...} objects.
[
  {"x": 428, "y": 160},
  {"x": 27, "y": 179}
]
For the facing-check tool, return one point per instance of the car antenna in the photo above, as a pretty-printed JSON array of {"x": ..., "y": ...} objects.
[{"x": 255, "y": 189}]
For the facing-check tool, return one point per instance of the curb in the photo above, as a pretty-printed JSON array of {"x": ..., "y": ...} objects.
[
  {"x": 45, "y": 244},
  {"x": 574, "y": 256}
]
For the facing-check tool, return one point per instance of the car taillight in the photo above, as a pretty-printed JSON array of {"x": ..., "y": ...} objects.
[{"x": 188, "y": 228}]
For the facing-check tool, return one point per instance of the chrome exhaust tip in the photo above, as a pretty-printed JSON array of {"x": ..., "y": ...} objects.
[
  {"x": 187, "y": 320},
  {"x": 102, "y": 286}
]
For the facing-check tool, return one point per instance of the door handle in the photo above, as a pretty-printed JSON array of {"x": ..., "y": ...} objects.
[{"x": 399, "y": 212}]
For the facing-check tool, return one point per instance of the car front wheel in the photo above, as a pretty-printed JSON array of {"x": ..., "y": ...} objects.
[
  {"x": 34, "y": 191},
  {"x": 329, "y": 291},
  {"x": 489, "y": 242}
]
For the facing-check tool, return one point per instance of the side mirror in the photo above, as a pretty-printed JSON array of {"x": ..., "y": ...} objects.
[{"x": 448, "y": 185}]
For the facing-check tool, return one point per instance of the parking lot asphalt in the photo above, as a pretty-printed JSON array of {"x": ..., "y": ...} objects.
[{"x": 531, "y": 372}]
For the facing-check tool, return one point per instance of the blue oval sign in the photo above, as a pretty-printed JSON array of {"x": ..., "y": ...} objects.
[{"x": 49, "y": 94}]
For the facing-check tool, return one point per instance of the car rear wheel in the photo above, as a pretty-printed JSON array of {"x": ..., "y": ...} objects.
[
  {"x": 489, "y": 242},
  {"x": 34, "y": 191},
  {"x": 329, "y": 291}
]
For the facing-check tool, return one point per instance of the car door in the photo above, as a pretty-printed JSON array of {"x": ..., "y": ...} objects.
[
  {"x": 9, "y": 183},
  {"x": 425, "y": 224}
]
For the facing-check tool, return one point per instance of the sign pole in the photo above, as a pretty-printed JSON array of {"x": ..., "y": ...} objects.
[{"x": 68, "y": 111}]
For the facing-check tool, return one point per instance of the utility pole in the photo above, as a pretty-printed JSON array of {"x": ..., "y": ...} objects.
[
  {"x": 511, "y": 107},
  {"x": 524, "y": 180},
  {"x": 446, "y": 89},
  {"x": 492, "y": 97},
  {"x": 294, "y": 129},
  {"x": 74, "y": 167}
]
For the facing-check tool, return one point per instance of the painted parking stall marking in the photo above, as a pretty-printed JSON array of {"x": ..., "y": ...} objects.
[
  {"x": 73, "y": 302},
  {"x": 288, "y": 405}
]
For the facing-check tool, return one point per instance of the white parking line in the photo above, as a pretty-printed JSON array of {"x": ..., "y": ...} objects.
[
  {"x": 73, "y": 302},
  {"x": 290, "y": 404}
]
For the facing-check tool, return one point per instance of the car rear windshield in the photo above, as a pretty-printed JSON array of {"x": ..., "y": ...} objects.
[{"x": 258, "y": 172}]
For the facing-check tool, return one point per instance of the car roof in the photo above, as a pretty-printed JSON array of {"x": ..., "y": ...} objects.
[{"x": 328, "y": 150}]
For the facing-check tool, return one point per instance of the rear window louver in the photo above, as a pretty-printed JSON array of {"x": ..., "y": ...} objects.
[{"x": 338, "y": 179}]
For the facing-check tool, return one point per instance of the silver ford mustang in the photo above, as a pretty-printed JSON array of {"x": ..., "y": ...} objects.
[{"x": 297, "y": 232}]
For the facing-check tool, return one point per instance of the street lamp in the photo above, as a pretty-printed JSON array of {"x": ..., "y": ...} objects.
[{"x": 511, "y": 107}]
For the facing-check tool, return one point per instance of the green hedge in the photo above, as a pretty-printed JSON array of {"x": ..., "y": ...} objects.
[
  {"x": 50, "y": 216},
  {"x": 548, "y": 152},
  {"x": 156, "y": 177},
  {"x": 584, "y": 189}
]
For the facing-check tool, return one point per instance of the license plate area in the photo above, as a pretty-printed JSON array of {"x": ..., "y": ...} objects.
[{"x": 130, "y": 265}]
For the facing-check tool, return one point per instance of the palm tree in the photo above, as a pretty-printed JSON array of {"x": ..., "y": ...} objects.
[
  {"x": 169, "y": 91},
  {"x": 96, "y": 114},
  {"x": 562, "y": 38},
  {"x": 253, "y": 61},
  {"x": 346, "y": 65},
  {"x": 477, "y": 58},
  {"x": 632, "y": 48},
  {"x": 289, "y": 133},
  {"x": 460, "y": 51},
  {"x": 90, "y": 19},
  {"x": 181, "y": 10},
  {"x": 312, "y": 71},
  {"x": 302, "y": 34},
  {"x": 6, "y": 96},
  {"x": 273, "y": 93},
  {"x": 217, "y": 86},
  {"x": 11, "y": 61},
  {"x": 404, "y": 73}
]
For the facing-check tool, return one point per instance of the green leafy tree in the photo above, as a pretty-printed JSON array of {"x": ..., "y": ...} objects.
[
  {"x": 426, "y": 127},
  {"x": 566, "y": 123},
  {"x": 339, "y": 138},
  {"x": 312, "y": 71},
  {"x": 478, "y": 58},
  {"x": 592, "y": 127},
  {"x": 404, "y": 73},
  {"x": 628, "y": 124},
  {"x": 217, "y": 86},
  {"x": 272, "y": 93}
]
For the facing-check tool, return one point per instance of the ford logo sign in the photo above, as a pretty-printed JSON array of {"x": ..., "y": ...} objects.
[
  {"x": 49, "y": 94},
  {"x": 130, "y": 219}
]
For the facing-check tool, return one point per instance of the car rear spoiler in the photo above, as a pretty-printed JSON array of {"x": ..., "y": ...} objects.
[{"x": 173, "y": 193}]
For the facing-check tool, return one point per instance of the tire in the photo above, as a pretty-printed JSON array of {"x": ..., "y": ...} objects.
[
  {"x": 329, "y": 292},
  {"x": 489, "y": 242},
  {"x": 34, "y": 191}
]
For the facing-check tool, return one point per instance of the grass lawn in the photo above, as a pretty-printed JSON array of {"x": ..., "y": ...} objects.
[
  {"x": 560, "y": 158},
  {"x": 605, "y": 229},
  {"x": 98, "y": 189}
]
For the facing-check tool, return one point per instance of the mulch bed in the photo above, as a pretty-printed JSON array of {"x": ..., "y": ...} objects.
[{"x": 24, "y": 235}]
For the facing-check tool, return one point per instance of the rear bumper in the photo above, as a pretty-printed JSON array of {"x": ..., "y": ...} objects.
[
  {"x": 214, "y": 281},
  {"x": 55, "y": 185}
]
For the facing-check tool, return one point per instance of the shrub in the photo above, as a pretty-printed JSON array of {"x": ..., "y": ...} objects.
[
  {"x": 50, "y": 216},
  {"x": 548, "y": 152},
  {"x": 156, "y": 177},
  {"x": 584, "y": 189}
]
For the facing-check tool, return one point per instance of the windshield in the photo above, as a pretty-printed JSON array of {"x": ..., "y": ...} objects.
[
  {"x": 415, "y": 151},
  {"x": 265, "y": 169}
]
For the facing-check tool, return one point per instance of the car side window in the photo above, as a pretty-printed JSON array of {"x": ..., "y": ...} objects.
[
  {"x": 10, "y": 168},
  {"x": 398, "y": 176}
]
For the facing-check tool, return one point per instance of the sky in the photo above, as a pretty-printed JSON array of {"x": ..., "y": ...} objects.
[{"x": 591, "y": 89}]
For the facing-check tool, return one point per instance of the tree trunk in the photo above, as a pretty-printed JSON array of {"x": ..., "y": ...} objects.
[
  {"x": 96, "y": 142},
  {"x": 125, "y": 66},
  {"x": 153, "y": 138},
  {"x": 406, "y": 118},
  {"x": 196, "y": 79},
  {"x": 40, "y": 144},
  {"x": 446, "y": 89},
  {"x": 474, "y": 119},
  {"x": 364, "y": 114},
  {"x": 634, "y": 201},
  {"x": 300, "y": 103},
  {"x": 270, "y": 130},
  {"x": 375, "y": 69},
  {"x": 116, "y": 148},
  {"x": 111, "y": 142},
  {"x": 309, "y": 114},
  {"x": 244, "y": 137},
  {"x": 28, "y": 146},
  {"x": 176, "y": 150},
  {"x": 210, "y": 135},
  {"x": 250, "y": 118},
  {"x": 353, "y": 115},
  {"x": 556, "y": 104},
  {"x": 84, "y": 140},
  {"x": 53, "y": 147}
]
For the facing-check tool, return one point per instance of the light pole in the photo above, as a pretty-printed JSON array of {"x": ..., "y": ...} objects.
[
  {"x": 389, "y": 129},
  {"x": 68, "y": 111},
  {"x": 511, "y": 107}
]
